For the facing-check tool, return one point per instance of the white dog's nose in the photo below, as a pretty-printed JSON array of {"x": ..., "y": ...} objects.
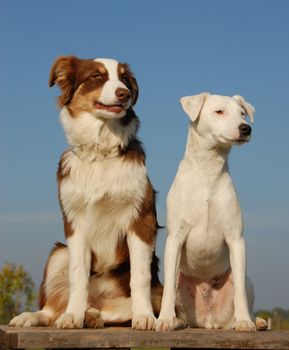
[{"x": 245, "y": 130}]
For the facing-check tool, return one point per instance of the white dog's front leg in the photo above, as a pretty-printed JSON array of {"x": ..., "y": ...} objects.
[
  {"x": 140, "y": 282},
  {"x": 243, "y": 322},
  {"x": 167, "y": 319},
  {"x": 79, "y": 270}
]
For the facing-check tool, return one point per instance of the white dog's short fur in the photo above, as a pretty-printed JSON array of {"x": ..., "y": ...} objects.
[{"x": 205, "y": 259}]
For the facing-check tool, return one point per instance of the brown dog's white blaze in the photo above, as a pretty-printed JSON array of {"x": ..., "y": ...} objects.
[{"x": 120, "y": 200}]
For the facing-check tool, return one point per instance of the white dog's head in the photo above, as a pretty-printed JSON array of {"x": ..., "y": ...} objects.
[{"x": 220, "y": 119}]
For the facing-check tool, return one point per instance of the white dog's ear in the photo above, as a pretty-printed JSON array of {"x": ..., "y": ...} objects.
[
  {"x": 192, "y": 105},
  {"x": 250, "y": 110}
]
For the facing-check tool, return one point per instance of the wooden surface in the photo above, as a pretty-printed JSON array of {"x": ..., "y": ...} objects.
[{"x": 117, "y": 337}]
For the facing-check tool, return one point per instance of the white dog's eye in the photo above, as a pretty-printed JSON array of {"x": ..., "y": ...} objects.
[
  {"x": 220, "y": 112},
  {"x": 243, "y": 114}
]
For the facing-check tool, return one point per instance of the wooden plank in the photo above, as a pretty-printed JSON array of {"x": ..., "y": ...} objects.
[{"x": 124, "y": 337}]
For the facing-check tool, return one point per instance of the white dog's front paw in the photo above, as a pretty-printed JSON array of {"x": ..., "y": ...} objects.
[
  {"x": 169, "y": 324},
  {"x": 26, "y": 319},
  {"x": 245, "y": 326},
  {"x": 143, "y": 322},
  {"x": 69, "y": 320}
]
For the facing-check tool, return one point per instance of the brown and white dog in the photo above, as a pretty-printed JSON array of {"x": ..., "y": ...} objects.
[{"x": 108, "y": 272}]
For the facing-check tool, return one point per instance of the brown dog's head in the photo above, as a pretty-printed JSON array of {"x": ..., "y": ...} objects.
[{"x": 102, "y": 87}]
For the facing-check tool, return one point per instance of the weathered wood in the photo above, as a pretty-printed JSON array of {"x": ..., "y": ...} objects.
[{"x": 121, "y": 337}]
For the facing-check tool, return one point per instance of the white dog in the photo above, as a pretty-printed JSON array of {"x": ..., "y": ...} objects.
[{"x": 205, "y": 258}]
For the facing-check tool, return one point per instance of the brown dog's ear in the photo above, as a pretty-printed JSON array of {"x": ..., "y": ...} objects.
[
  {"x": 133, "y": 84},
  {"x": 135, "y": 89},
  {"x": 63, "y": 73}
]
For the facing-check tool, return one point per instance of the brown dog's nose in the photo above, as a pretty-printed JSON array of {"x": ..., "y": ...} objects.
[{"x": 122, "y": 94}]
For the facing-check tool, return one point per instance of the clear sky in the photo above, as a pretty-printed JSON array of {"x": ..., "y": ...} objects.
[{"x": 175, "y": 48}]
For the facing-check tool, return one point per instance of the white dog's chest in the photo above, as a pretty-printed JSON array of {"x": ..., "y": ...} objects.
[
  {"x": 205, "y": 254},
  {"x": 206, "y": 212},
  {"x": 205, "y": 251}
]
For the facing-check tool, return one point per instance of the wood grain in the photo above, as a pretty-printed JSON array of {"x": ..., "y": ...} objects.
[{"x": 123, "y": 337}]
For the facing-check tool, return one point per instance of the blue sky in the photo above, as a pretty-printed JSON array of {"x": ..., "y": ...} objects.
[{"x": 175, "y": 48}]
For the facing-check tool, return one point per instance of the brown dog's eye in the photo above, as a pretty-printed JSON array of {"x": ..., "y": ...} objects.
[
  {"x": 96, "y": 76},
  {"x": 124, "y": 79},
  {"x": 219, "y": 112}
]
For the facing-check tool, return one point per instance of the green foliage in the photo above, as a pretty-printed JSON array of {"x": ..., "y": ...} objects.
[
  {"x": 265, "y": 314},
  {"x": 16, "y": 291}
]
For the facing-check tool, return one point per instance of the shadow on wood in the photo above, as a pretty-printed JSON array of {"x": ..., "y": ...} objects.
[{"x": 121, "y": 337}]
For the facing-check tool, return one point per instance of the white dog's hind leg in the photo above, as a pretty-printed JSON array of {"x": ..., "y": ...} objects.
[{"x": 261, "y": 324}]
